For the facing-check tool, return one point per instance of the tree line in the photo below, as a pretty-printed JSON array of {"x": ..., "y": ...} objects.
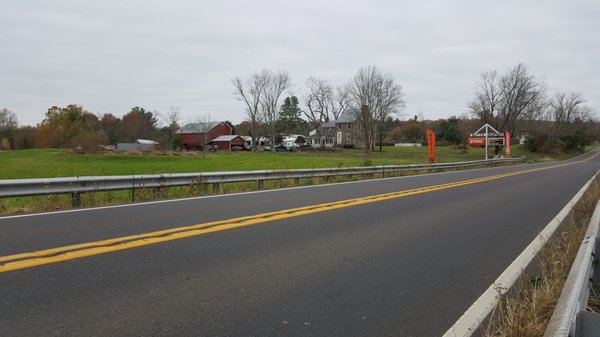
[
  {"x": 371, "y": 96},
  {"x": 514, "y": 101},
  {"x": 73, "y": 126},
  {"x": 519, "y": 102}
]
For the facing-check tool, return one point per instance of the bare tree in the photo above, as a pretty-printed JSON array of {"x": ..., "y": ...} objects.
[
  {"x": 378, "y": 96},
  {"x": 8, "y": 124},
  {"x": 277, "y": 83},
  {"x": 503, "y": 101},
  {"x": 341, "y": 100},
  {"x": 250, "y": 91},
  {"x": 487, "y": 98},
  {"x": 364, "y": 91},
  {"x": 317, "y": 101},
  {"x": 564, "y": 109},
  {"x": 8, "y": 119},
  {"x": 172, "y": 118},
  {"x": 170, "y": 125},
  {"x": 523, "y": 97},
  {"x": 390, "y": 103},
  {"x": 323, "y": 102}
]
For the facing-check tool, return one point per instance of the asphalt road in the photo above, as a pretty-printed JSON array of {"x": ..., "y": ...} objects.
[{"x": 405, "y": 266}]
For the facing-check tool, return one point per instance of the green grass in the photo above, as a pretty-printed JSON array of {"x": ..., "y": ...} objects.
[{"x": 44, "y": 163}]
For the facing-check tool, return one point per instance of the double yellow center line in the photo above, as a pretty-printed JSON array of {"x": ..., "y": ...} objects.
[{"x": 47, "y": 256}]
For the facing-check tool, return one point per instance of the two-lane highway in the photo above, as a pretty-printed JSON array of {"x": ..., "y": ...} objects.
[{"x": 389, "y": 257}]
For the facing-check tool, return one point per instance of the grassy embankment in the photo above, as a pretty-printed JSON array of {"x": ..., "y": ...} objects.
[{"x": 45, "y": 163}]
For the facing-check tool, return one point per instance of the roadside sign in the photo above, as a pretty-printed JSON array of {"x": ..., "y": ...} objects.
[
  {"x": 431, "y": 145},
  {"x": 507, "y": 143},
  {"x": 488, "y": 136},
  {"x": 487, "y": 131},
  {"x": 476, "y": 141},
  {"x": 496, "y": 141},
  {"x": 480, "y": 141}
]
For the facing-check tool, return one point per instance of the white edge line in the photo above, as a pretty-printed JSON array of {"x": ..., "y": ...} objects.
[
  {"x": 242, "y": 193},
  {"x": 469, "y": 322}
]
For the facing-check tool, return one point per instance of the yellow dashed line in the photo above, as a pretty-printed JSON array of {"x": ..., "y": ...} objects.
[{"x": 42, "y": 257}]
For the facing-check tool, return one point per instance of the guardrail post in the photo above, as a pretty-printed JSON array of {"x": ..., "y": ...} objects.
[
  {"x": 132, "y": 188},
  {"x": 261, "y": 184},
  {"x": 296, "y": 181},
  {"x": 596, "y": 274},
  {"x": 76, "y": 199},
  {"x": 215, "y": 186}
]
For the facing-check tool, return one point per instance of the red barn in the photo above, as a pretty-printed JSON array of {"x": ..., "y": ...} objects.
[
  {"x": 195, "y": 135},
  {"x": 229, "y": 142}
]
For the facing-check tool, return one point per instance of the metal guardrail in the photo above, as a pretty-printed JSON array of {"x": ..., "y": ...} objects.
[
  {"x": 570, "y": 318},
  {"x": 470, "y": 322},
  {"x": 77, "y": 185}
]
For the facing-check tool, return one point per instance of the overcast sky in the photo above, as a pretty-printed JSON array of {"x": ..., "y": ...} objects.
[{"x": 109, "y": 56}]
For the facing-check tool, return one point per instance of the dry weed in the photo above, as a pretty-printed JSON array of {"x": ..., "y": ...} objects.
[{"x": 525, "y": 310}]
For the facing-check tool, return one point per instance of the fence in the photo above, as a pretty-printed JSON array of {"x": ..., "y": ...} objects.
[
  {"x": 77, "y": 185},
  {"x": 570, "y": 318}
]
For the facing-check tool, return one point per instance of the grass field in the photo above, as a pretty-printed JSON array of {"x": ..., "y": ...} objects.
[
  {"x": 43, "y": 163},
  {"x": 46, "y": 163}
]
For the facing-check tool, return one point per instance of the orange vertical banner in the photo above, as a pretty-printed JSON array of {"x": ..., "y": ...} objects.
[
  {"x": 431, "y": 145},
  {"x": 507, "y": 135}
]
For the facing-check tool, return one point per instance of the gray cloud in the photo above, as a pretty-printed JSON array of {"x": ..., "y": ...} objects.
[{"x": 111, "y": 55}]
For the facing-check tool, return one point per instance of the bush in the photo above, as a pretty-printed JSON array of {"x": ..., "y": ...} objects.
[
  {"x": 575, "y": 142},
  {"x": 4, "y": 144},
  {"x": 86, "y": 141},
  {"x": 536, "y": 143},
  {"x": 177, "y": 143}
]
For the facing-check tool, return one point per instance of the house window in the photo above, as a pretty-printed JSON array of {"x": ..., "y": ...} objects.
[
  {"x": 348, "y": 137},
  {"x": 348, "y": 125},
  {"x": 339, "y": 126}
]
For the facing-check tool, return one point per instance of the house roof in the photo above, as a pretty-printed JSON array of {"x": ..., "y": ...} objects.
[
  {"x": 226, "y": 138},
  {"x": 146, "y": 141},
  {"x": 330, "y": 124},
  {"x": 320, "y": 137},
  {"x": 348, "y": 117},
  {"x": 198, "y": 127}
]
